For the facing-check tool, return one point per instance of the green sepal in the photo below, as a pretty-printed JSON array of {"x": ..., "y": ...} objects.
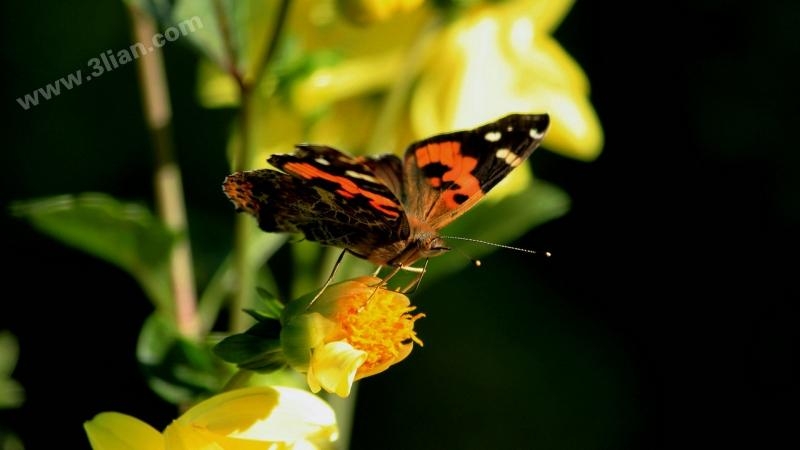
[
  {"x": 268, "y": 306},
  {"x": 257, "y": 349}
]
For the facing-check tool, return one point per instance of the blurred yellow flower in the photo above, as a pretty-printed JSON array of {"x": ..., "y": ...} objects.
[
  {"x": 453, "y": 70},
  {"x": 498, "y": 58},
  {"x": 244, "y": 419},
  {"x": 366, "y": 12},
  {"x": 355, "y": 329}
]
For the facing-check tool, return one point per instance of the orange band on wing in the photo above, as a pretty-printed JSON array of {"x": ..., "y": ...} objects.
[
  {"x": 348, "y": 188},
  {"x": 459, "y": 170},
  {"x": 442, "y": 152}
]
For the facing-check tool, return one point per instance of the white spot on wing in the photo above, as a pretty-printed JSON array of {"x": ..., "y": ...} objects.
[
  {"x": 493, "y": 136},
  {"x": 322, "y": 161},
  {"x": 536, "y": 134},
  {"x": 360, "y": 176},
  {"x": 508, "y": 157}
]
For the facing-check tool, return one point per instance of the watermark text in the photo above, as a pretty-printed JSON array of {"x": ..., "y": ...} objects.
[{"x": 108, "y": 61}]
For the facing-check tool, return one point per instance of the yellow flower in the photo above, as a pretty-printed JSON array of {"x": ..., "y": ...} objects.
[
  {"x": 500, "y": 58},
  {"x": 365, "y": 12},
  {"x": 462, "y": 64},
  {"x": 355, "y": 329},
  {"x": 492, "y": 59},
  {"x": 244, "y": 419}
]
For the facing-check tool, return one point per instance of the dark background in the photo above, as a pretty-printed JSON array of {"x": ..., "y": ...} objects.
[{"x": 664, "y": 320}]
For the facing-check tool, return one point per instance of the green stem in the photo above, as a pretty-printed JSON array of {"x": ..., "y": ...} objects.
[
  {"x": 272, "y": 49},
  {"x": 243, "y": 227},
  {"x": 230, "y": 46},
  {"x": 247, "y": 89},
  {"x": 169, "y": 194}
]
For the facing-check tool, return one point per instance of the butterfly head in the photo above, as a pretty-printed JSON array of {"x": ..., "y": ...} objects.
[
  {"x": 432, "y": 245},
  {"x": 424, "y": 245}
]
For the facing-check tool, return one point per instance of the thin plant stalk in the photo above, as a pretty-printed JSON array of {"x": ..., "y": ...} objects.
[
  {"x": 247, "y": 88},
  {"x": 169, "y": 194}
]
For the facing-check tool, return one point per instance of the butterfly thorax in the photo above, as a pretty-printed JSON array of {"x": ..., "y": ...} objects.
[{"x": 423, "y": 242}]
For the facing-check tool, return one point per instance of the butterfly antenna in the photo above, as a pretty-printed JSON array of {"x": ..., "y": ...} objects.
[{"x": 478, "y": 241}]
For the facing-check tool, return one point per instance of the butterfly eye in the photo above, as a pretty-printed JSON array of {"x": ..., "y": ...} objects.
[{"x": 436, "y": 247}]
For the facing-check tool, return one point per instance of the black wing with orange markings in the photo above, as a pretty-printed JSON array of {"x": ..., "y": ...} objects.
[
  {"x": 447, "y": 174},
  {"x": 326, "y": 195}
]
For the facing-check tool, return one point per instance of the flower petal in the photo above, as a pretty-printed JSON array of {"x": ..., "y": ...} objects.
[
  {"x": 575, "y": 130},
  {"x": 298, "y": 416},
  {"x": 116, "y": 431},
  {"x": 333, "y": 367},
  {"x": 247, "y": 418},
  {"x": 366, "y": 12},
  {"x": 548, "y": 13},
  {"x": 498, "y": 59},
  {"x": 181, "y": 436},
  {"x": 350, "y": 78}
]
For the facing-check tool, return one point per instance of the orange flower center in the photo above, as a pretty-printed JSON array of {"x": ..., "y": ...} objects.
[{"x": 380, "y": 324}]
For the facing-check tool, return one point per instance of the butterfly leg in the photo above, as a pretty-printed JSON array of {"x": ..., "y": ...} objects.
[
  {"x": 384, "y": 282},
  {"x": 330, "y": 278},
  {"x": 390, "y": 275},
  {"x": 397, "y": 269},
  {"x": 414, "y": 285}
]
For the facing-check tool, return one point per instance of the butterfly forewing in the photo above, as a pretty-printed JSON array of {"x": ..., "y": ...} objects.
[{"x": 451, "y": 172}]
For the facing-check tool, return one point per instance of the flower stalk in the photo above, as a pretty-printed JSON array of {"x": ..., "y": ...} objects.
[
  {"x": 247, "y": 88},
  {"x": 169, "y": 194}
]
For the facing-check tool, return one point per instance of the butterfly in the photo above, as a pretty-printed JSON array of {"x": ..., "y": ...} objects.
[{"x": 385, "y": 209}]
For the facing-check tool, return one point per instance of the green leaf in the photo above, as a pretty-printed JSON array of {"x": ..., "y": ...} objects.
[
  {"x": 176, "y": 369},
  {"x": 124, "y": 234},
  {"x": 9, "y": 352},
  {"x": 266, "y": 295},
  {"x": 262, "y": 246},
  {"x": 268, "y": 305},
  {"x": 234, "y": 33},
  {"x": 11, "y": 393},
  {"x": 9, "y": 440}
]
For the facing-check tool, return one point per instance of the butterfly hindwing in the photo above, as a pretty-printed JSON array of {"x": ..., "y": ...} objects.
[
  {"x": 324, "y": 194},
  {"x": 447, "y": 174}
]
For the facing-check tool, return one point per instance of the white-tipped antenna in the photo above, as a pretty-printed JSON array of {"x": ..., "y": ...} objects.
[{"x": 478, "y": 241}]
